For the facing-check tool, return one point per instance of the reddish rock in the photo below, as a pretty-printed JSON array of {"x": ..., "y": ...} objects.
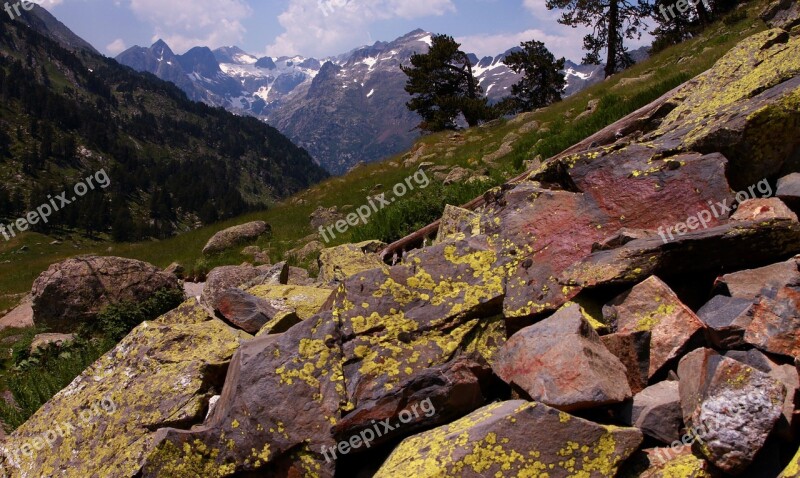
[
  {"x": 514, "y": 438},
  {"x": 652, "y": 306},
  {"x": 763, "y": 281},
  {"x": 775, "y": 327},
  {"x": 244, "y": 276},
  {"x": 551, "y": 230},
  {"x": 633, "y": 350},
  {"x": 561, "y": 362},
  {"x": 251, "y": 313},
  {"x": 731, "y": 407}
]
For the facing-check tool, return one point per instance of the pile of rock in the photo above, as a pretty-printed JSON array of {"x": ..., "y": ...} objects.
[{"x": 553, "y": 333}]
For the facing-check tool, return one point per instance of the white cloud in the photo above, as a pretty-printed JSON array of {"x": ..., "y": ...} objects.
[
  {"x": 568, "y": 45},
  {"x": 322, "y": 27},
  {"x": 116, "y": 47},
  {"x": 47, "y": 4},
  {"x": 184, "y": 24}
]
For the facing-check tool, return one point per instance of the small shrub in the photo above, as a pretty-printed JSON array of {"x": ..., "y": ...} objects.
[{"x": 116, "y": 321}]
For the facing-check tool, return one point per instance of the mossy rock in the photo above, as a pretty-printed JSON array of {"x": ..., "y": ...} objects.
[{"x": 102, "y": 423}]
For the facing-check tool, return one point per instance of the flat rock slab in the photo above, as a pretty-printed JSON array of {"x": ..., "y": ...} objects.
[
  {"x": 514, "y": 438},
  {"x": 761, "y": 282},
  {"x": 561, "y": 362}
]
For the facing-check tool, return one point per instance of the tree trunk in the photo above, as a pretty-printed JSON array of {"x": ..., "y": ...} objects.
[
  {"x": 613, "y": 38},
  {"x": 703, "y": 14}
]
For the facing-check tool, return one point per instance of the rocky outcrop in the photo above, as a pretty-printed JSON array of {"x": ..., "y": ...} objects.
[
  {"x": 74, "y": 291},
  {"x": 236, "y": 235}
]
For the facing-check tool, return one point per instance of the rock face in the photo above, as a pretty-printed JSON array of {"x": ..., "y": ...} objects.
[
  {"x": 75, "y": 290},
  {"x": 561, "y": 362},
  {"x": 162, "y": 374},
  {"x": 236, "y": 235},
  {"x": 514, "y": 438},
  {"x": 731, "y": 407}
]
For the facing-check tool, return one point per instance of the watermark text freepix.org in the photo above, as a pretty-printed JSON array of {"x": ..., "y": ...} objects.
[
  {"x": 682, "y": 6},
  {"x": 43, "y": 212},
  {"x": 13, "y": 9},
  {"x": 715, "y": 211},
  {"x": 379, "y": 429},
  {"x": 39, "y": 442},
  {"x": 376, "y": 203}
]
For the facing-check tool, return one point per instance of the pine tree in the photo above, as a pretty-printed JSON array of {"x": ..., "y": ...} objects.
[
  {"x": 443, "y": 86},
  {"x": 543, "y": 79},
  {"x": 613, "y": 21}
]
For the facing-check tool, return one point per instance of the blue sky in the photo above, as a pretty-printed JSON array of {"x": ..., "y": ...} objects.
[{"x": 312, "y": 27}]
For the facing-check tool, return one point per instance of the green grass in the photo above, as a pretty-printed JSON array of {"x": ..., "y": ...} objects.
[{"x": 290, "y": 219}]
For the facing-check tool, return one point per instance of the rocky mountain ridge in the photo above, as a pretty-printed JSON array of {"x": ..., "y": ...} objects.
[{"x": 356, "y": 115}]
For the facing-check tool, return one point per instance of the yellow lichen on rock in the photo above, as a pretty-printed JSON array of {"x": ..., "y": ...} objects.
[{"x": 159, "y": 374}]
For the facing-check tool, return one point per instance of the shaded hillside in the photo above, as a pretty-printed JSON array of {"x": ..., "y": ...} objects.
[{"x": 174, "y": 164}]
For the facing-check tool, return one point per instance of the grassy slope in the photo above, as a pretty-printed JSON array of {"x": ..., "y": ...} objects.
[{"x": 289, "y": 219}]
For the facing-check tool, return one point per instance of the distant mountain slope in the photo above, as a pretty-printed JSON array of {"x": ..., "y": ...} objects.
[
  {"x": 174, "y": 164},
  {"x": 353, "y": 112},
  {"x": 43, "y": 22}
]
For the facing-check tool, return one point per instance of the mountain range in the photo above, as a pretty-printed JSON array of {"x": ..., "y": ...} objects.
[
  {"x": 174, "y": 164},
  {"x": 344, "y": 109}
]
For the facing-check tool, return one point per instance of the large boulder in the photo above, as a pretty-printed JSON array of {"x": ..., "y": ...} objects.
[
  {"x": 514, "y": 438},
  {"x": 162, "y": 374},
  {"x": 731, "y": 407},
  {"x": 76, "y": 290},
  {"x": 561, "y": 362},
  {"x": 236, "y": 235}
]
